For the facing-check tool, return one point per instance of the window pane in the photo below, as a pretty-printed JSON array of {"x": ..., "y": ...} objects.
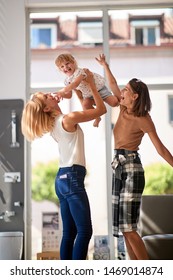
[
  {"x": 46, "y": 77},
  {"x": 90, "y": 32},
  {"x": 139, "y": 36},
  {"x": 171, "y": 109},
  {"x": 151, "y": 36},
  {"x": 40, "y": 37},
  {"x": 45, "y": 36},
  {"x": 34, "y": 38}
]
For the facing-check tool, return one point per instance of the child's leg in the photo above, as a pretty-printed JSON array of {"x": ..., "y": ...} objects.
[
  {"x": 111, "y": 100},
  {"x": 108, "y": 97},
  {"x": 89, "y": 104}
]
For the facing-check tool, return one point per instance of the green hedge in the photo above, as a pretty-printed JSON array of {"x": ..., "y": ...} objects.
[
  {"x": 159, "y": 179},
  {"x": 43, "y": 181}
]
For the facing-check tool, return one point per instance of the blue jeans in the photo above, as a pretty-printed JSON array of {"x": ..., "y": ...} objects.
[{"x": 75, "y": 212}]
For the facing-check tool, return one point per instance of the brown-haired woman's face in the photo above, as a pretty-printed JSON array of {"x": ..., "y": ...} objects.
[{"x": 128, "y": 96}]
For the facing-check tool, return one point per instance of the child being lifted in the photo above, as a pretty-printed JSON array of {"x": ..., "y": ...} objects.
[{"x": 75, "y": 80}]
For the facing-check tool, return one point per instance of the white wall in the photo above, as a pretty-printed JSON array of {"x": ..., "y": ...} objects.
[{"x": 12, "y": 49}]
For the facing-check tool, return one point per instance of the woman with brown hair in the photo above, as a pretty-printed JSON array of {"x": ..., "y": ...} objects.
[{"x": 128, "y": 179}]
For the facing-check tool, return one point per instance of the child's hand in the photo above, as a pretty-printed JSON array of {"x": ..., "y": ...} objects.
[
  {"x": 101, "y": 59},
  {"x": 62, "y": 94},
  {"x": 58, "y": 95}
]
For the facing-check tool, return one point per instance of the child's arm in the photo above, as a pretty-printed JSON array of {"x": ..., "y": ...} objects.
[
  {"x": 66, "y": 92},
  {"x": 74, "y": 84},
  {"x": 60, "y": 94}
]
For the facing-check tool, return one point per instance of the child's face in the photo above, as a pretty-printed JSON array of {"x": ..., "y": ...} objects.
[{"x": 67, "y": 68}]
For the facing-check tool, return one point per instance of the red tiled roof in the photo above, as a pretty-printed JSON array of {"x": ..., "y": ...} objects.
[
  {"x": 119, "y": 29},
  {"x": 67, "y": 30},
  {"x": 168, "y": 26}
]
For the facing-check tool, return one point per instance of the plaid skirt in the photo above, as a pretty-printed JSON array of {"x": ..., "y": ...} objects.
[{"x": 128, "y": 183}]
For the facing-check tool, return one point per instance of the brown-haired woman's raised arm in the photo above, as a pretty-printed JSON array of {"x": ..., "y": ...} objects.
[{"x": 110, "y": 77}]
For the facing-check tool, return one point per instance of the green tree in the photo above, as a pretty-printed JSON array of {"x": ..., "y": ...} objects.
[
  {"x": 159, "y": 179},
  {"x": 43, "y": 181}
]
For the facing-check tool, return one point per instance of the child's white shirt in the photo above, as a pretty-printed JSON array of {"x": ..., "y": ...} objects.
[{"x": 83, "y": 87}]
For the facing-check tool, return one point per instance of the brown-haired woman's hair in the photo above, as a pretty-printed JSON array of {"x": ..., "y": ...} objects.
[{"x": 142, "y": 104}]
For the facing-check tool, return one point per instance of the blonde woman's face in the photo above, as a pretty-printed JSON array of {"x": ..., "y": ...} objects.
[{"x": 49, "y": 101}]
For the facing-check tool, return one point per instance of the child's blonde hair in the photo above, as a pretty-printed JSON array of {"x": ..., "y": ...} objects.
[{"x": 65, "y": 57}]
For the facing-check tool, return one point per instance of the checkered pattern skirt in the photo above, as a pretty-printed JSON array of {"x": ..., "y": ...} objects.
[{"x": 127, "y": 187}]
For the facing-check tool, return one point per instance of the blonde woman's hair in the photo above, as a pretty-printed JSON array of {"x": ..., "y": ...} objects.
[
  {"x": 35, "y": 122},
  {"x": 65, "y": 57}
]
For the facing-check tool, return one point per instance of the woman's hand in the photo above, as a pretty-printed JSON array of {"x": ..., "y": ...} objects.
[
  {"x": 57, "y": 95},
  {"x": 101, "y": 59},
  {"x": 89, "y": 75},
  {"x": 89, "y": 80}
]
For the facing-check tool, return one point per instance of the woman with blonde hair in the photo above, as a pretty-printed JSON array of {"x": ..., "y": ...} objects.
[{"x": 42, "y": 115}]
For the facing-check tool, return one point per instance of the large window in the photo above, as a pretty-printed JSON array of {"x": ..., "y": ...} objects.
[{"x": 86, "y": 34}]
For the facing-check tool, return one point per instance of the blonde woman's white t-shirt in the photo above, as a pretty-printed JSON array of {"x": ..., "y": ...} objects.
[{"x": 70, "y": 144}]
